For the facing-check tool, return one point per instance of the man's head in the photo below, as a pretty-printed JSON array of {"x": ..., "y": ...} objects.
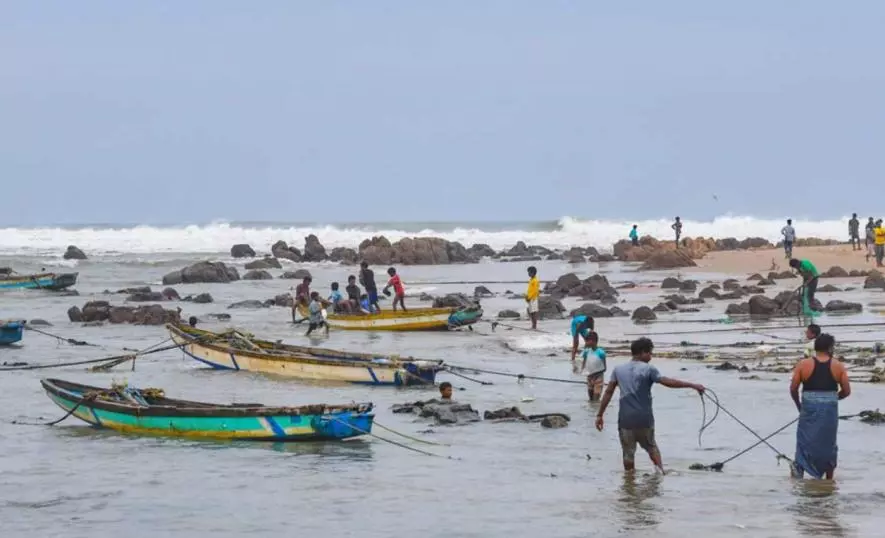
[
  {"x": 871, "y": 219},
  {"x": 391, "y": 271},
  {"x": 825, "y": 343},
  {"x": 445, "y": 390},
  {"x": 314, "y": 295},
  {"x": 641, "y": 349},
  {"x": 364, "y": 265},
  {"x": 789, "y": 222},
  {"x": 634, "y": 226},
  {"x": 879, "y": 222},
  {"x": 854, "y": 215},
  {"x": 307, "y": 280},
  {"x": 592, "y": 340},
  {"x": 351, "y": 280},
  {"x": 677, "y": 219},
  {"x": 794, "y": 263},
  {"x": 532, "y": 270},
  {"x": 812, "y": 331},
  {"x": 192, "y": 321},
  {"x": 334, "y": 286}
]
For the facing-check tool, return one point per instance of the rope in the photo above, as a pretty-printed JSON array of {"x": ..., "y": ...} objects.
[
  {"x": 417, "y": 440},
  {"x": 462, "y": 376},
  {"x": 495, "y": 324},
  {"x": 704, "y": 423},
  {"x": 719, "y": 465},
  {"x": 71, "y": 341},
  {"x": 715, "y": 399},
  {"x": 93, "y": 361},
  {"x": 395, "y": 443},
  {"x": 87, "y": 398},
  {"x": 520, "y": 377},
  {"x": 748, "y": 329}
]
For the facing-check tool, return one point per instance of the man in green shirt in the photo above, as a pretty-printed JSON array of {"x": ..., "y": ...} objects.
[{"x": 809, "y": 279}]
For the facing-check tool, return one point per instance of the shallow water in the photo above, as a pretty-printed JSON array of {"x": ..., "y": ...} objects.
[{"x": 504, "y": 479}]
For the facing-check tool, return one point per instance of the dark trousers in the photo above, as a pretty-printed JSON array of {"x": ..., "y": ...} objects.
[{"x": 810, "y": 290}]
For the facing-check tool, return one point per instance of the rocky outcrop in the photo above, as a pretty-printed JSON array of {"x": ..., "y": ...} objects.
[
  {"x": 257, "y": 274},
  {"x": 671, "y": 283},
  {"x": 737, "y": 309},
  {"x": 643, "y": 314},
  {"x": 201, "y": 298},
  {"x": 299, "y": 274},
  {"x": 202, "y": 272},
  {"x": 346, "y": 256},
  {"x": 242, "y": 250},
  {"x": 145, "y": 295},
  {"x": 508, "y": 314},
  {"x": 843, "y": 307},
  {"x": 519, "y": 249},
  {"x": 97, "y": 311},
  {"x": 248, "y": 304},
  {"x": 414, "y": 251},
  {"x": 709, "y": 293},
  {"x": 481, "y": 250},
  {"x": 593, "y": 310},
  {"x": 668, "y": 259},
  {"x": 314, "y": 251},
  {"x": 835, "y": 272},
  {"x": 731, "y": 285},
  {"x": 761, "y": 305},
  {"x": 593, "y": 288},
  {"x": 281, "y": 249},
  {"x": 482, "y": 292},
  {"x": 74, "y": 253},
  {"x": 828, "y": 288},
  {"x": 453, "y": 300},
  {"x": 268, "y": 262},
  {"x": 786, "y": 303},
  {"x": 283, "y": 299},
  {"x": 875, "y": 280},
  {"x": 550, "y": 308}
]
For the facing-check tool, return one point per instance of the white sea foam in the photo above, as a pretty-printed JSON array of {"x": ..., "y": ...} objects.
[{"x": 217, "y": 238}]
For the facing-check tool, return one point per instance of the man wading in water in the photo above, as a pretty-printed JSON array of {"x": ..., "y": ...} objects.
[
  {"x": 809, "y": 281},
  {"x": 824, "y": 382},
  {"x": 636, "y": 421}
]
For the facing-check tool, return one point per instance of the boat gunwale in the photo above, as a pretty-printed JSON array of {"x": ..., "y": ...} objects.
[{"x": 391, "y": 314}]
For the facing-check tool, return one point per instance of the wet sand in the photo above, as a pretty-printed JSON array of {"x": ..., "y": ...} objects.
[{"x": 762, "y": 261}]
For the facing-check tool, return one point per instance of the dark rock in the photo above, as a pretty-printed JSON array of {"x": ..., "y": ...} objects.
[
  {"x": 554, "y": 421},
  {"x": 661, "y": 307},
  {"x": 549, "y": 308},
  {"x": 202, "y": 272},
  {"x": 203, "y": 298},
  {"x": 519, "y": 249},
  {"x": 755, "y": 276},
  {"x": 618, "y": 312},
  {"x": 300, "y": 274},
  {"x": 874, "y": 281},
  {"x": 785, "y": 275},
  {"x": 643, "y": 314},
  {"x": 481, "y": 250},
  {"x": 678, "y": 299},
  {"x": 505, "y": 413},
  {"x": 268, "y": 262},
  {"x": 752, "y": 290},
  {"x": 564, "y": 284},
  {"x": 761, "y": 305},
  {"x": 425, "y": 297},
  {"x": 856, "y": 273},
  {"x": 130, "y": 291},
  {"x": 453, "y": 300},
  {"x": 219, "y": 317},
  {"x": 75, "y": 314},
  {"x": 766, "y": 282},
  {"x": 248, "y": 304},
  {"x": 669, "y": 259},
  {"x": 835, "y": 272},
  {"x": 843, "y": 306},
  {"x": 242, "y": 250},
  {"x": 626, "y": 286},
  {"x": 731, "y": 284},
  {"x": 689, "y": 285},
  {"x": 737, "y": 309},
  {"x": 671, "y": 283},
  {"x": 605, "y": 258},
  {"x": 708, "y": 293},
  {"x": 482, "y": 291},
  {"x": 281, "y": 249},
  {"x": 828, "y": 288},
  {"x": 170, "y": 294},
  {"x": 258, "y": 275},
  {"x": 573, "y": 258},
  {"x": 508, "y": 314},
  {"x": 671, "y": 305},
  {"x": 283, "y": 299},
  {"x": 592, "y": 310},
  {"x": 121, "y": 314},
  {"x": 74, "y": 253},
  {"x": 731, "y": 296},
  {"x": 725, "y": 366},
  {"x": 344, "y": 255},
  {"x": 314, "y": 251},
  {"x": 152, "y": 296},
  {"x": 37, "y": 322}
]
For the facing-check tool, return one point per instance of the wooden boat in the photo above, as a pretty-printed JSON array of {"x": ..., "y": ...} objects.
[
  {"x": 235, "y": 350},
  {"x": 149, "y": 412},
  {"x": 417, "y": 319},
  {"x": 43, "y": 281},
  {"x": 11, "y": 332}
]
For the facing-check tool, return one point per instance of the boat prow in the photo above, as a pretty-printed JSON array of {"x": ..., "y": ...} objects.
[{"x": 11, "y": 331}]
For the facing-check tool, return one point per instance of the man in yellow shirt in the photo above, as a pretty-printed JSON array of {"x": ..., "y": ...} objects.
[
  {"x": 879, "y": 235},
  {"x": 532, "y": 294}
]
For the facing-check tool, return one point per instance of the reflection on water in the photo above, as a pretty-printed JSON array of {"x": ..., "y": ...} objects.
[
  {"x": 634, "y": 505},
  {"x": 817, "y": 508}
]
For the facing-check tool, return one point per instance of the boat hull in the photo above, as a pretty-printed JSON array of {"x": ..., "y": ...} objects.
[
  {"x": 46, "y": 281},
  {"x": 213, "y": 422},
  {"x": 345, "y": 368},
  {"x": 419, "y": 319},
  {"x": 11, "y": 332}
]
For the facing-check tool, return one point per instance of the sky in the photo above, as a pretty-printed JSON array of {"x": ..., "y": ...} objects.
[{"x": 186, "y": 112}]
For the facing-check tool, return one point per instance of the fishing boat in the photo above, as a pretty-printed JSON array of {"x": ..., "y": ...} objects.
[
  {"x": 149, "y": 412},
  {"x": 417, "y": 319},
  {"x": 42, "y": 281},
  {"x": 11, "y": 332},
  {"x": 236, "y": 350}
]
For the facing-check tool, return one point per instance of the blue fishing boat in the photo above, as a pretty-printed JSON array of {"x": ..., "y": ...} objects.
[
  {"x": 11, "y": 332},
  {"x": 148, "y": 412},
  {"x": 42, "y": 281}
]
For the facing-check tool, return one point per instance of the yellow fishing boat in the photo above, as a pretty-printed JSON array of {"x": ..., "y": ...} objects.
[{"x": 417, "y": 319}]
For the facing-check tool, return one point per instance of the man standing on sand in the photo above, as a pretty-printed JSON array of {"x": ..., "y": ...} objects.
[
  {"x": 636, "y": 421},
  {"x": 879, "y": 239},
  {"x": 870, "y": 237},
  {"x": 532, "y": 295},
  {"x": 789, "y": 234},
  {"x": 677, "y": 227},
  {"x": 809, "y": 280},
  {"x": 634, "y": 236},
  {"x": 367, "y": 279},
  {"x": 854, "y": 232}
]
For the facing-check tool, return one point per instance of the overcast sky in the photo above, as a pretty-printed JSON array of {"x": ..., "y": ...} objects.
[{"x": 167, "y": 112}]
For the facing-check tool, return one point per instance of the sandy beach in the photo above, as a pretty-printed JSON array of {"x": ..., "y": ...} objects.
[{"x": 764, "y": 260}]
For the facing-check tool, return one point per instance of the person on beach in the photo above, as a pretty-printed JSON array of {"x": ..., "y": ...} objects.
[
  {"x": 581, "y": 326},
  {"x": 339, "y": 303},
  {"x": 399, "y": 291},
  {"x": 532, "y": 295},
  {"x": 636, "y": 421},
  {"x": 677, "y": 228},
  {"x": 317, "y": 319},
  {"x": 634, "y": 236},
  {"x": 789, "y": 234},
  {"x": 353, "y": 293},
  {"x": 870, "y": 237},
  {"x": 597, "y": 366},
  {"x": 854, "y": 232},
  {"x": 301, "y": 300},
  {"x": 445, "y": 391},
  {"x": 809, "y": 279},
  {"x": 367, "y": 279},
  {"x": 824, "y": 382},
  {"x": 879, "y": 239},
  {"x": 811, "y": 334}
]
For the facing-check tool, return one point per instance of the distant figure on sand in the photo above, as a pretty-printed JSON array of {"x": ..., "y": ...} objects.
[
  {"x": 809, "y": 280},
  {"x": 636, "y": 421},
  {"x": 634, "y": 236},
  {"x": 854, "y": 232},
  {"x": 824, "y": 382},
  {"x": 879, "y": 239},
  {"x": 677, "y": 227},
  {"x": 367, "y": 279},
  {"x": 399, "y": 291},
  {"x": 597, "y": 366},
  {"x": 789, "y": 234},
  {"x": 582, "y": 325},
  {"x": 532, "y": 294},
  {"x": 870, "y": 237}
]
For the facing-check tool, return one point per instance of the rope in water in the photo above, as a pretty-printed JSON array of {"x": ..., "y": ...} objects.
[
  {"x": 715, "y": 399},
  {"x": 720, "y": 464},
  {"x": 61, "y": 339},
  {"x": 391, "y": 441},
  {"x": 409, "y": 437},
  {"x": 520, "y": 377},
  {"x": 92, "y": 361},
  {"x": 87, "y": 398},
  {"x": 746, "y": 329}
]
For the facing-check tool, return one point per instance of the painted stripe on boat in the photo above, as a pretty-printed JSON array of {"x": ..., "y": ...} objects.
[
  {"x": 234, "y": 360},
  {"x": 204, "y": 361},
  {"x": 277, "y": 429},
  {"x": 372, "y": 373},
  {"x": 95, "y": 416}
]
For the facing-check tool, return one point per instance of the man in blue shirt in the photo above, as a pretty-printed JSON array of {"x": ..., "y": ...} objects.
[
  {"x": 597, "y": 366},
  {"x": 634, "y": 236},
  {"x": 636, "y": 421},
  {"x": 582, "y": 325}
]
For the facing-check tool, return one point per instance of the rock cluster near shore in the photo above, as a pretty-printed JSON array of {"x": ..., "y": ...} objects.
[
  {"x": 98, "y": 311},
  {"x": 202, "y": 272},
  {"x": 74, "y": 253}
]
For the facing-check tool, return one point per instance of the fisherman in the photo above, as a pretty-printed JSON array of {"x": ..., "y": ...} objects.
[
  {"x": 879, "y": 238},
  {"x": 317, "y": 319},
  {"x": 634, "y": 236},
  {"x": 353, "y": 293},
  {"x": 809, "y": 279},
  {"x": 399, "y": 292},
  {"x": 854, "y": 232},
  {"x": 811, "y": 334},
  {"x": 302, "y": 298},
  {"x": 824, "y": 382},
  {"x": 445, "y": 391},
  {"x": 365, "y": 306},
  {"x": 532, "y": 295},
  {"x": 338, "y": 301},
  {"x": 597, "y": 366},
  {"x": 192, "y": 321},
  {"x": 582, "y": 325},
  {"x": 677, "y": 227},
  {"x": 367, "y": 279},
  {"x": 636, "y": 422},
  {"x": 789, "y": 234},
  {"x": 870, "y": 237}
]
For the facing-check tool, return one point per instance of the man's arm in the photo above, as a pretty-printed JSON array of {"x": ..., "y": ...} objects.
[
  {"x": 794, "y": 384},
  {"x": 606, "y": 399},
  {"x": 574, "y": 346},
  {"x": 671, "y": 383},
  {"x": 844, "y": 383}
]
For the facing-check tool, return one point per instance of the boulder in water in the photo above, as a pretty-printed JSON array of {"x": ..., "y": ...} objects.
[
  {"x": 281, "y": 249},
  {"x": 344, "y": 255},
  {"x": 242, "y": 250},
  {"x": 248, "y": 304},
  {"x": 74, "y": 253},
  {"x": 300, "y": 274},
  {"x": 314, "y": 251},
  {"x": 843, "y": 307},
  {"x": 202, "y": 272},
  {"x": 643, "y": 314},
  {"x": 257, "y": 275},
  {"x": 482, "y": 291},
  {"x": 268, "y": 262},
  {"x": 554, "y": 421}
]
